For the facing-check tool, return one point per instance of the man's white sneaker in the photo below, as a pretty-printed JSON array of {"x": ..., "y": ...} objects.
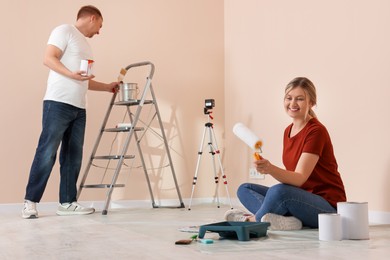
[
  {"x": 73, "y": 208},
  {"x": 237, "y": 215},
  {"x": 29, "y": 210},
  {"x": 282, "y": 223}
]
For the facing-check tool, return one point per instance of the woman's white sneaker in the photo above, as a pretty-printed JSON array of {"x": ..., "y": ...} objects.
[
  {"x": 282, "y": 223},
  {"x": 237, "y": 215},
  {"x": 29, "y": 210}
]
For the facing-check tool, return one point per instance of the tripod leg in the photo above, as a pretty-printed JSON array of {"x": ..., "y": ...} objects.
[
  {"x": 212, "y": 152},
  {"x": 221, "y": 167},
  {"x": 197, "y": 167}
]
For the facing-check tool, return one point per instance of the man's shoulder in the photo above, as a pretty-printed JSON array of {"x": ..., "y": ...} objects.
[{"x": 64, "y": 27}]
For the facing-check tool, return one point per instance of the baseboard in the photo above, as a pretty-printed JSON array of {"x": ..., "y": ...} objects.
[
  {"x": 52, "y": 206},
  {"x": 375, "y": 217},
  {"x": 379, "y": 217}
]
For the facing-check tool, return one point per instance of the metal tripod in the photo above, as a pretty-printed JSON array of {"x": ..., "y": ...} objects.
[{"x": 213, "y": 146}]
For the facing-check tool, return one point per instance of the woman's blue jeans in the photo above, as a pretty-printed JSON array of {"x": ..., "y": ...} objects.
[
  {"x": 285, "y": 200},
  {"x": 61, "y": 124}
]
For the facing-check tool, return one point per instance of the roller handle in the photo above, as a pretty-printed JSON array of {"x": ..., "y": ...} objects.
[
  {"x": 257, "y": 156},
  {"x": 258, "y": 147}
]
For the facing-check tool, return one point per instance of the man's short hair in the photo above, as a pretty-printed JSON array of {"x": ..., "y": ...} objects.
[{"x": 88, "y": 10}]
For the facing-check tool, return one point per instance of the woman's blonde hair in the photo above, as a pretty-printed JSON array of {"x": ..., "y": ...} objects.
[{"x": 308, "y": 87}]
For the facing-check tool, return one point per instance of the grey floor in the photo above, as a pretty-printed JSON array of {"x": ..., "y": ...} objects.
[{"x": 148, "y": 233}]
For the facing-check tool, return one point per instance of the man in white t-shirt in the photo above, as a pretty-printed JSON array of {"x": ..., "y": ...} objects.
[{"x": 64, "y": 116}]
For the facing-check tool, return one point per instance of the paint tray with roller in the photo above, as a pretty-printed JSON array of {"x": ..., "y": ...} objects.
[
  {"x": 243, "y": 231},
  {"x": 248, "y": 137}
]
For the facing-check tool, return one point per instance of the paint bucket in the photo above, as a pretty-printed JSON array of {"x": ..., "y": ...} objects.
[
  {"x": 86, "y": 66},
  {"x": 128, "y": 91}
]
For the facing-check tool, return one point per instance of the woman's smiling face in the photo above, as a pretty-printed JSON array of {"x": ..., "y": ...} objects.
[{"x": 297, "y": 104}]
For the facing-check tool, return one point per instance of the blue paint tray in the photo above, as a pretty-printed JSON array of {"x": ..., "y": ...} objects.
[{"x": 242, "y": 231}]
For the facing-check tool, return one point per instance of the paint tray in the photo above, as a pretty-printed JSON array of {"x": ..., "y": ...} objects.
[{"x": 242, "y": 231}]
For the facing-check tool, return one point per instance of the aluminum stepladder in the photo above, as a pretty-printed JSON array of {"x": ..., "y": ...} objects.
[{"x": 131, "y": 138}]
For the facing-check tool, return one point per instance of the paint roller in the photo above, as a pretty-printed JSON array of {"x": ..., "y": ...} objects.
[{"x": 248, "y": 137}]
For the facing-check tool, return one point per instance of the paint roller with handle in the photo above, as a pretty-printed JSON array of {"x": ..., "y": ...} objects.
[{"x": 248, "y": 137}]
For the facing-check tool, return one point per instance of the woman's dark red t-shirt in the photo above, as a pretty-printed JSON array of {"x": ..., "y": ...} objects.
[{"x": 325, "y": 180}]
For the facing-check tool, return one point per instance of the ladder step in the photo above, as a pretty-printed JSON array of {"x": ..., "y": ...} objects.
[
  {"x": 113, "y": 157},
  {"x": 103, "y": 186},
  {"x": 123, "y": 129},
  {"x": 132, "y": 102}
]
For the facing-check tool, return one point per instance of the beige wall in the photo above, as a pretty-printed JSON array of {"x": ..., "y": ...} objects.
[
  {"x": 184, "y": 40},
  {"x": 343, "y": 46}
]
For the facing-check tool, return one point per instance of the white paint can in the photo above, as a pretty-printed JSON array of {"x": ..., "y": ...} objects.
[{"x": 86, "y": 66}]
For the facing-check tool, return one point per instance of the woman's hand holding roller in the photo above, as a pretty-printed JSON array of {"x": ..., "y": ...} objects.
[{"x": 263, "y": 166}]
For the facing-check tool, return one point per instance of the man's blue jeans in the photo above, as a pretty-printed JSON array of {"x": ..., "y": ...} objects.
[
  {"x": 285, "y": 200},
  {"x": 61, "y": 124}
]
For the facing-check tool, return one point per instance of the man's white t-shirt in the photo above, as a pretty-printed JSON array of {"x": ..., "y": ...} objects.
[{"x": 74, "y": 47}]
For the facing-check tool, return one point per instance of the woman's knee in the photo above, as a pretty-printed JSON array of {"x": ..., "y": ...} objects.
[
  {"x": 251, "y": 189},
  {"x": 280, "y": 190},
  {"x": 243, "y": 188}
]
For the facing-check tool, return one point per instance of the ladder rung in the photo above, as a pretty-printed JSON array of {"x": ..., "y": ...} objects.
[
  {"x": 132, "y": 102},
  {"x": 113, "y": 157},
  {"x": 123, "y": 129},
  {"x": 103, "y": 186}
]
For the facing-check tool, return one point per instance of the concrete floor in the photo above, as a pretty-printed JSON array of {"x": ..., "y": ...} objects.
[{"x": 148, "y": 233}]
